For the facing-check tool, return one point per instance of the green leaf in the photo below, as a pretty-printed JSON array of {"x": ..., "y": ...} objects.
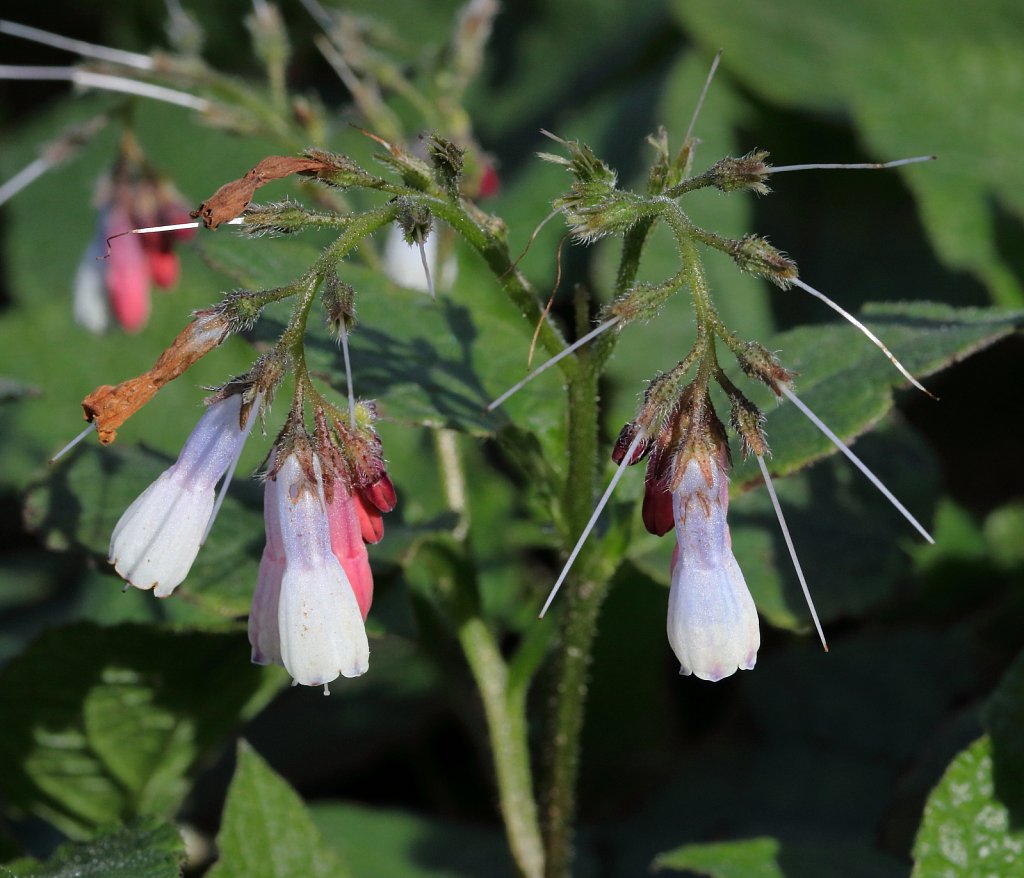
[
  {"x": 118, "y": 734},
  {"x": 966, "y": 831},
  {"x": 751, "y": 858},
  {"x": 771, "y": 858},
  {"x": 906, "y": 97},
  {"x": 146, "y": 848},
  {"x": 266, "y": 831},
  {"x": 77, "y": 502},
  {"x": 385, "y": 843},
  {"x": 849, "y": 384},
  {"x": 1004, "y": 719}
]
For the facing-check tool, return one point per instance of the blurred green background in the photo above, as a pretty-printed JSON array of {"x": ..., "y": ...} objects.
[{"x": 812, "y": 765}]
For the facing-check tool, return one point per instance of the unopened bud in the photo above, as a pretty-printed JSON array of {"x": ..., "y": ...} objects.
[
  {"x": 755, "y": 255},
  {"x": 749, "y": 172},
  {"x": 594, "y": 210},
  {"x": 282, "y": 218},
  {"x": 447, "y": 159},
  {"x": 339, "y": 302},
  {"x": 415, "y": 222},
  {"x": 582, "y": 163},
  {"x": 748, "y": 422},
  {"x": 626, "y": 436},
  {"x": 342, "y": 172},
  {"x": 642, "y": 302},
  {"x": 760, "y": 363}
]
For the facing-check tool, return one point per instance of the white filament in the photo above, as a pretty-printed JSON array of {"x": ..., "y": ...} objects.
[
  {"x": 73, "y": 442},
  {"x": 426, "y": 265},
  {"x": 32, "y": 171},
  {"x": 703, "y": 94},
  {"x": 237, "y": 221},
  {"x": 874, "y": 338},
  {"x": 792, "y": 549},
  {"x": 343, "y": 337},
  {"x": 231, "y": 467},
  {"x": 856, "y": 166},
  {"x": 88, "y": 79},
  {"x": 86, "y": 50},
  {"x": 857, "y": 462},
  {"x": 640, "y": 436},
  {"x": 547, "y": 365}
]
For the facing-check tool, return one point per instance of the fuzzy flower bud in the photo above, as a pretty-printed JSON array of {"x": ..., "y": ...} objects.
[
  {"x": 748, "y": 172},
  {"x": 760, "y": 363},
  {"x": 753, "y": 254}
]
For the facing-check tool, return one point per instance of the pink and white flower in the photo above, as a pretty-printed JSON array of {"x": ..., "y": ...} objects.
[
  {"x": 116, "y": 280},
  {"x": 158, "y": 537},
  {"x": 306, "y": 615},
  {"x": 712, "y": 621}
]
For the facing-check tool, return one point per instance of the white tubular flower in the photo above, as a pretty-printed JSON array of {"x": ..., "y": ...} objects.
[
  {"x": 712, "y": 621},
  {"x": 158, "y": 537},
  {"x": 319, "y": 623}
]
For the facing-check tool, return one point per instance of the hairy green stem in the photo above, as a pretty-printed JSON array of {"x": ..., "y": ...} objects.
[{"x": 583, "y": 604}]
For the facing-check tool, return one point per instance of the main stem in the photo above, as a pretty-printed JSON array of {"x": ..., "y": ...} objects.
[{"x": 583, "y": 605}]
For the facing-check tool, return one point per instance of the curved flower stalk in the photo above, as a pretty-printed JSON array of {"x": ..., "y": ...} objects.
[{"x": 158, "y": 537}]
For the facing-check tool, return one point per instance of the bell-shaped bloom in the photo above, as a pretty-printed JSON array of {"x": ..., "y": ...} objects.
[
  {"x": 158, "y": 537},
  {"x": 712, "y": 621},
  {"x": 320, "y": 625}
]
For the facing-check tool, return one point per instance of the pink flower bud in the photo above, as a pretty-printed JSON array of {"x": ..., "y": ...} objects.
[
  {"x": 158, "y": 537},
  {"x": 164, "y": 268},
  {"x": 712, "y": 621},
  {"x": 371, "y": 522},
  {"x": 348, "y": 546},
  {"x": 127, "y": 274}
]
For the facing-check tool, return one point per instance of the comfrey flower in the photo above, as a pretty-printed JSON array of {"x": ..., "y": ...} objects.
[
  {"x": 712, "y": 621},
  {"x": 323, "y": 501},
  {"x": 158, "y": 537},
  {"x": 305, "y": 615},
  {"x": 132, "y": 196}
]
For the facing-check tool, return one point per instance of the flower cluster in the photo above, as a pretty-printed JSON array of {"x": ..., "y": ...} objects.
[
  {"x": 131, "y": 196},
  {"x": 324, "y": 497},
  {"x": 712, "y": 622}
]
